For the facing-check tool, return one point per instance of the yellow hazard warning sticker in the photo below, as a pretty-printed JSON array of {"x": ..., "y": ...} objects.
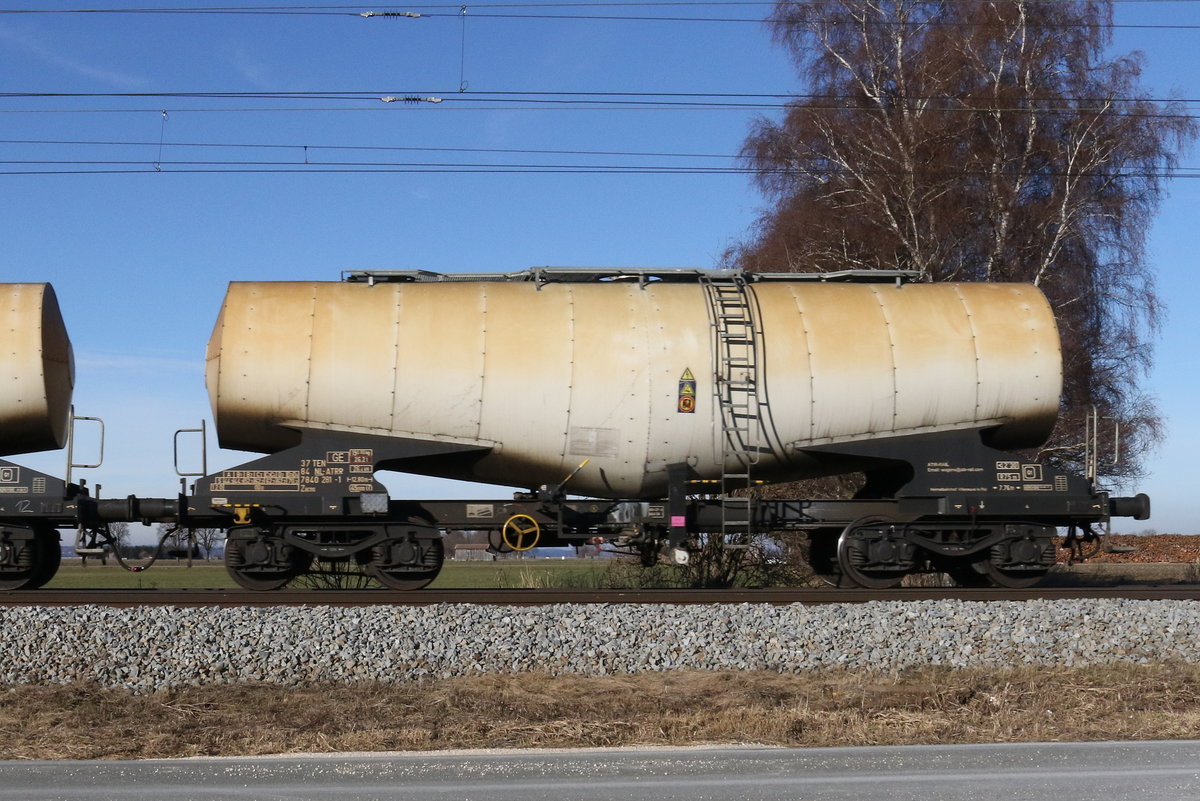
[{"x": 687, "y": 393}]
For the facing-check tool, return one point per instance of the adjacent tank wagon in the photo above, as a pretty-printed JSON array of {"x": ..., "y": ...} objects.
[
  {"x": 36, "y": 360},
  {"x": 35, "y": 410}
]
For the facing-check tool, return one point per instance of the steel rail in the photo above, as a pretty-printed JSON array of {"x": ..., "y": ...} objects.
[{"x": 543, "y": 597}]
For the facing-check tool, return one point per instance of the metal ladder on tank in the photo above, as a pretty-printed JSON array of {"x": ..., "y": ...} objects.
[{"x": 736, "y": 395}]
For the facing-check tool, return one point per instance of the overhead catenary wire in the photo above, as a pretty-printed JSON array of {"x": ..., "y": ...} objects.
[
  {"x": 522, "y": 95},
  {"x": 615, "y": 106},
  {"x": 83, "y": 167},
  {"x": 577, "y": 101},
  {"x": 368, "y": 148},
  {"x": 529, "y": 101},
  {"x": 420, "y": 11}
]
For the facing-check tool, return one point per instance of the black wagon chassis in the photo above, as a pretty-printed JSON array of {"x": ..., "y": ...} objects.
[{"x": 931, "y": 503}]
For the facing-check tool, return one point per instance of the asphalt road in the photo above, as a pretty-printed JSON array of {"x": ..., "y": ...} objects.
[{"x": 1030, "y": 772}]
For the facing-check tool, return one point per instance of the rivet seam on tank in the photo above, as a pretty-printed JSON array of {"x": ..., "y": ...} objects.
[
  {"x": 974, "y": 345},
  {"x": 660, "y": 319},
  {"x": 570, "y": 369},
  {"x": 397, "y": 303},
  {"x": 812, "y": 388},
  {"x": 483, "y": 331},
  {"x": 891, "y": 332},
  {"x": 312, "y": 327},
  {"x": 649, "y": 379}
]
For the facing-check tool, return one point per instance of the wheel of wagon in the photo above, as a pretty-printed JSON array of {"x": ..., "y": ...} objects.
[
  {"x": 1013, "y": 579},
  {"x": 1036, "y": 554},
  {"x": 263, "y": 563},
  {"x": 868, "y": 559},
  {"x": 429, "y": 552},
  {"x": 50, "y": 557},
  {"x": 24, "y": 562}
]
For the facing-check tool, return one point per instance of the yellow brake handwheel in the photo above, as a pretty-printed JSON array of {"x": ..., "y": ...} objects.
[{"x": 522, "y": 526}]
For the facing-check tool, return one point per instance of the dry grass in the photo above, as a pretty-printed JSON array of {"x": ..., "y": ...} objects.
[{"x": 929, "y": 706}]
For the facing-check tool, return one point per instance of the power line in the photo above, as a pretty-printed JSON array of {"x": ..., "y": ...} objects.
[
  {"x": 459, "y": 10},
  {"x": 363, "y": 148},
  {"x": 358, "y": 7},
  {"x": 557, "y": 97},
  {"x": 304, "y": 162},
  {"x": 360, "y": 148},
  {"x": 392, "y": 95},
  {"x": 563, "y": 109},
  {"x": 81, "y": 166},
  {"x": 374, "y": 109}
]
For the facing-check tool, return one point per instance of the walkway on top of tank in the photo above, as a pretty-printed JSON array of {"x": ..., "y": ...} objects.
[{"x": 643, "y": 275}]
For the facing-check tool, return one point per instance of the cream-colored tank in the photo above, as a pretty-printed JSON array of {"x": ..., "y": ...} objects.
[
  {"x": 38, "y": 370},
  {"x": 622, "y": 374}
]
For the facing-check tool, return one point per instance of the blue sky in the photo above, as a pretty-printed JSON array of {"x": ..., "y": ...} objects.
[{"x": 140, "y": 261}]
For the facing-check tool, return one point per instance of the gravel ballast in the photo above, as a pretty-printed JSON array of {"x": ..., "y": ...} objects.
[{"x": 147, "y": 649}]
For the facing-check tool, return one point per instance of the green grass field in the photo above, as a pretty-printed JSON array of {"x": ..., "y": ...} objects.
[{"x": 454, "y": 575}]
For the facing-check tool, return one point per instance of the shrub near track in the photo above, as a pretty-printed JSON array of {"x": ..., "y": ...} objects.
[
  {"x": 526, "y": 711},
  {"x": 212, "y": 575}
]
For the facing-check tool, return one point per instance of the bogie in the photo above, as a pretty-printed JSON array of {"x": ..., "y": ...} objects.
[
  {"x": 406, "y": 564},
  {"x": 403, "y": 557},
  {"x": 29, "y": 558},
  {"x": 258, "y": 560}
]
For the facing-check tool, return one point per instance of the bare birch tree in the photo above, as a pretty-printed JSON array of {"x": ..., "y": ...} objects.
[
  {"x": 208, "y": 539},
  {"x": 980, "y": 141}
]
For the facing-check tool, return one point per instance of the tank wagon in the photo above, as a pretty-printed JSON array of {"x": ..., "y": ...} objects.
[
  {"x": 662, "y": 397},
  {"x": 35, "y": 412},
  {"x": 639, "y": 407},
  {"x": 526, "y": 379}
]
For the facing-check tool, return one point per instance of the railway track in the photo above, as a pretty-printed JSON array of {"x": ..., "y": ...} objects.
[{"x": 542, "y": 597}]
